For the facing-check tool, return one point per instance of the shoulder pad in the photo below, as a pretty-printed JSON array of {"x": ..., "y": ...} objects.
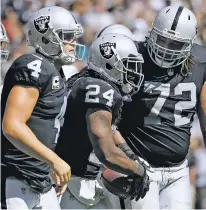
[
  {"x": 198, "y": 53},
  {"x": 32, "y": 70},
  {"x": 95, "y": 93},
  {"x": 96, "y": 81}
]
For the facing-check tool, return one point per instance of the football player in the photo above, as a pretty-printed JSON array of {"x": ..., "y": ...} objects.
[
  {"x": 94, "y": 104},
  {"x": 4, "y": 48},
  {"x": 173, "y": 90},
  {"x": 4, "y": 44},
  {"x": 32, "y": 109}
]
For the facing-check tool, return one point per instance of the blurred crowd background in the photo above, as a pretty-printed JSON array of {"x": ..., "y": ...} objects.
[{"x": 94, "y": 15}]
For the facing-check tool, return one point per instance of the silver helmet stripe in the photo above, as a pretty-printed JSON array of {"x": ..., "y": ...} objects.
[{"x": 100, "y": 33}]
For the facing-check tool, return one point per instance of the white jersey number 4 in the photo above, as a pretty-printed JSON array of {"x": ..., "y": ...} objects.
[{"x": 36, "y": 67}]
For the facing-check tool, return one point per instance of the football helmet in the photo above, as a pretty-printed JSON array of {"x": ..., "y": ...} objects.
[
  {"x": 172, "y": 36},
  {"x": 4, "y": 44},
  {"x": 50, "y": 29},
  {"x": 115, "y": 29},
  {"x": 116, "y": 56}
]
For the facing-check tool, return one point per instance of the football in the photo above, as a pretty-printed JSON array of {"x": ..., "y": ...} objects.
[{"x": 117, "y": 183}]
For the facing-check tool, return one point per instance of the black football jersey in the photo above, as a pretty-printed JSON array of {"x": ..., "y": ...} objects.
[
  {"x": 74, "y": 145},
  {"x": 36, "y": 71},
  {"x": 156, "y": 124}
]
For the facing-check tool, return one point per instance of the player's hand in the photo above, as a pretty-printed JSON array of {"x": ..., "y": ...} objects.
[
  {"x": 141, "y": 185},
  {"x": 60, "y": 189},
  {"x": 60, "y": 172},
  {"x": 141, "y": 182}
]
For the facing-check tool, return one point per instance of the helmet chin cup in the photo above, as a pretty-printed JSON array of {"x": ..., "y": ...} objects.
[
  {"x": 162, "y": 63},
  {"x": 67, "y": 59},
  {"x": 126, "y": 88}
]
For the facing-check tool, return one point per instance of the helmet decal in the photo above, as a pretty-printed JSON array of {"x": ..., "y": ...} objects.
[
  {"x": 42, "y": 24},
  {"x": 106, "y": 49}
]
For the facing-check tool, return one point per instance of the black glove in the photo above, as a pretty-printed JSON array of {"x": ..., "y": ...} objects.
[
  {"x": 140, "y": 182},
  {"x": 140, "y": 185},
  {"x": 133, "y": 186}
]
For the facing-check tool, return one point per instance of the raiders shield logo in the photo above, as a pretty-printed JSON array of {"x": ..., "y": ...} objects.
[
  {"x": 106, "y": 50},
  {"x": 42, "y": 24},
  {"x": 56, "y": 82}
]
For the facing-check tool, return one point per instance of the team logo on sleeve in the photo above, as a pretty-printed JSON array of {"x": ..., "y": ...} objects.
[
  {"x": 106, "y": 49},
  {"x": 42, "y": 24},
  {"x": 55, "y": 82}
]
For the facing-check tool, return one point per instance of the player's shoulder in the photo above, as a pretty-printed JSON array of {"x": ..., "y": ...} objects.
[
  {"x": 91, "y": 81},
  {"x": 86, "y": 79},
  {"x": 23, "y": 60},
  {"x": 198, "y": 53},
  {"x": 93, "y": 89},
  {"x": 33, "y": 62},
  {"x": 33, "y": 70}
]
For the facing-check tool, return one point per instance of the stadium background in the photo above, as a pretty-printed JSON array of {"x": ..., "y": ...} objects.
[{"x": 93, "y": 15}]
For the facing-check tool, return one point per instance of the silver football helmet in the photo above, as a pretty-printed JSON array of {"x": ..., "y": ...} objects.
[
  {"x": 172, "y": 36},
  {"x": 116, "y": 56},
  {"x": 4, "y": 44},
  {"x": 52, "y": 28},
  {"x": 115, "y": 29}
]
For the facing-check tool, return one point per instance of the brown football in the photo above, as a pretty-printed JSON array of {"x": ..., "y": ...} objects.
[{"x": 117, "y": 183}]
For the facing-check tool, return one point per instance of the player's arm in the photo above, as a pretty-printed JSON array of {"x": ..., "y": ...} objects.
[
  {"x": 122, "y": 144},
  {"x": 101, "y": 135},
  {"x": 20, "y": 104},
  {"x": 201, "y": 111}
]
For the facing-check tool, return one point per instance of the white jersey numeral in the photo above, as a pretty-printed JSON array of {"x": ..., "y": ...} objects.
[
  {"x": 36, "y": 67},
  {"x": 180, "y": 106},
  {"x": 91, "y": 95},
  {"x": 183, "y": 105},
  {"x": 109, "y": 95},
  {"x": 153, "y": 115}
]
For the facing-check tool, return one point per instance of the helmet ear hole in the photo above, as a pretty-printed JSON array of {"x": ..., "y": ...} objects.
[
  {"x": 44, "y": 40},
  {"x": 108, "y": 66}
]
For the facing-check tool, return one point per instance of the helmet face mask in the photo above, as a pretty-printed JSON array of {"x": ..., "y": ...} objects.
[
  {"x": 62, "y": 38},
  {"x": 5, "y": 48},
  {"x": 168, "y": 50},
  {"x": 53, "y": 31},
  {"x": 130, "y": 69},
  {"x": 116, "y": 57},
  {"x": 172, "y": 36}
]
